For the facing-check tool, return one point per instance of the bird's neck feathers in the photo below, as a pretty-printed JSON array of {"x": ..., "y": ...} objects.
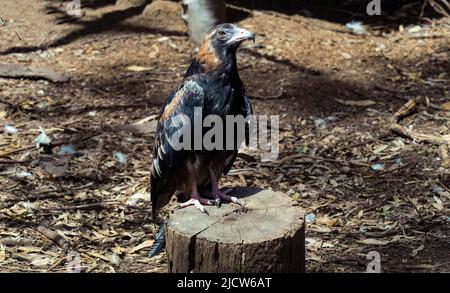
[{"x": 216, "y": 61}]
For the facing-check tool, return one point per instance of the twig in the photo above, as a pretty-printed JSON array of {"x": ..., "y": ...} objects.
[
  {"x": 86, "y": 206},
  {"x": 436, "y": 117},
  {"x": 438, "y": 8},
  {"x": 18, "y": 35},
  {"x": 7, "y": 162},
  {"x": 9, "y": 153},
  {"x": 415, "y": 207},
  {"x": 396, "y": 94},
  {"x": 55, "y": 237},
  {"x": 57, "y": 263},
  {"x": 298, "y": 156}
]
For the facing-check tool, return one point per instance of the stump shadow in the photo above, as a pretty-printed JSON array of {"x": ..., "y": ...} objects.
[{"x": 243, "y": 192}]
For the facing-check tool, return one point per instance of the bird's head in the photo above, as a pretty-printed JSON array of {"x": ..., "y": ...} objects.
[{"x": 221, "y": 43}]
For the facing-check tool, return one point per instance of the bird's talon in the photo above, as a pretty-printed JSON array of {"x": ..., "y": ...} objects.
[
  {"x": 199, "y": 206},
  {"x": 236, "y": 200}
]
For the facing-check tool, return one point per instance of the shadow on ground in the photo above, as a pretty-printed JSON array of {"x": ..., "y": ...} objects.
[{"x": 108, "y": 22}]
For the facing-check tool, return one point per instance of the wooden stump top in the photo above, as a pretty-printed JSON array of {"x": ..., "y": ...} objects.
[{"x": 269, "y": 223}]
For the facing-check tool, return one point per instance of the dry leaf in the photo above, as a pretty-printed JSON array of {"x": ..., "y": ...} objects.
[
  {"x": 98, "y": 255},
  {"x": 358, "y": 103},
  {"x": 144, "y": 128},
  {"x": 41, "y": 261},
  {"x": 118, "y": 250},
  {"x": 372, "y": 241},
  {"x": 360, "y": 214},
  {"x": 446, "y": 106},
  {"x": 137, "y": 68},
  {"x": 326, "y": 221},
  {"x": 334, "y": 183},
  {"x": 145, "y": 244},
  {"x": 416, "y": 251},
  {"x": 319, "y": 229},
  {"x": 23, "y": 250},
  {"x": 438, "y": 204},
  {"x": 327, "y": 245},
  {"x": 2, "y": 253}
]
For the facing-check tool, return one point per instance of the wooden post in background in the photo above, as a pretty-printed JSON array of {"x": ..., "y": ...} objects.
[{"x": 201, "y": 16}]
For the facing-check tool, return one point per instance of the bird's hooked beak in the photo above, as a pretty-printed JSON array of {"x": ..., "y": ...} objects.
[{"x": 241, "y": 35}]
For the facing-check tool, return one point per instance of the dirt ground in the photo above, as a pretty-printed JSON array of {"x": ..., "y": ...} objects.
[{"x": 364, "y": 186}]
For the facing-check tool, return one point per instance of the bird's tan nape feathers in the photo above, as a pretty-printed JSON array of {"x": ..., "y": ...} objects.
[{"x": 207, "y": 55}]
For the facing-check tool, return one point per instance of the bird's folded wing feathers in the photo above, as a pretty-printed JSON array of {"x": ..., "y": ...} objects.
[{"x": 178, "y": 107}]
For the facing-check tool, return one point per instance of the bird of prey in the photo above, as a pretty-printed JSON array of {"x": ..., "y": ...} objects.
[{"x": 212, "y": 84}]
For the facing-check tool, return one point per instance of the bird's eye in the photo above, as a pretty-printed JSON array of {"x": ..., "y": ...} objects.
[{"x": 221, "y": 33}]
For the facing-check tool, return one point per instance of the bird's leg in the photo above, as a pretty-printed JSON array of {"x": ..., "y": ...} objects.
[
  {"x": 219, "y": 195},
  {"x": 196, "y": 200}
]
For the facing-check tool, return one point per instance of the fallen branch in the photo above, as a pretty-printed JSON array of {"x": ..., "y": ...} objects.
[
  {"x": 89, "y": 206},
  {"x": 16, "y": 242},
  {"x": 20, "y": 71},
  {"x": 404, "y": 111},
  {"x": 55, "y": 237},
  {"x": 443, "y": 141},
  {"x": 419, "y": 137}
]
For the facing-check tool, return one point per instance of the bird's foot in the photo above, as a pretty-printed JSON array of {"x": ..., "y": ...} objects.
[
  {"x": 219, "y": 195},
  {"x": 198, "y": 202}
]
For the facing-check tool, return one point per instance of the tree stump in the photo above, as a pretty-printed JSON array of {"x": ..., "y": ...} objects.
[{"x": 267, "y": 234}]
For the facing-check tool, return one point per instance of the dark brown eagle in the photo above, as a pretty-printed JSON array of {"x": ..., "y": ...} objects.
[{"x": 211, "y": 84}]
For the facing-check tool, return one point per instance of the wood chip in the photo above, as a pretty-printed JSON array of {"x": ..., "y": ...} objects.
[{"x": 20, "y": 71}]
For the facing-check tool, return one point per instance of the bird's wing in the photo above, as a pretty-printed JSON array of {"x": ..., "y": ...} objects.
[{"x": 166, "y": 158}]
